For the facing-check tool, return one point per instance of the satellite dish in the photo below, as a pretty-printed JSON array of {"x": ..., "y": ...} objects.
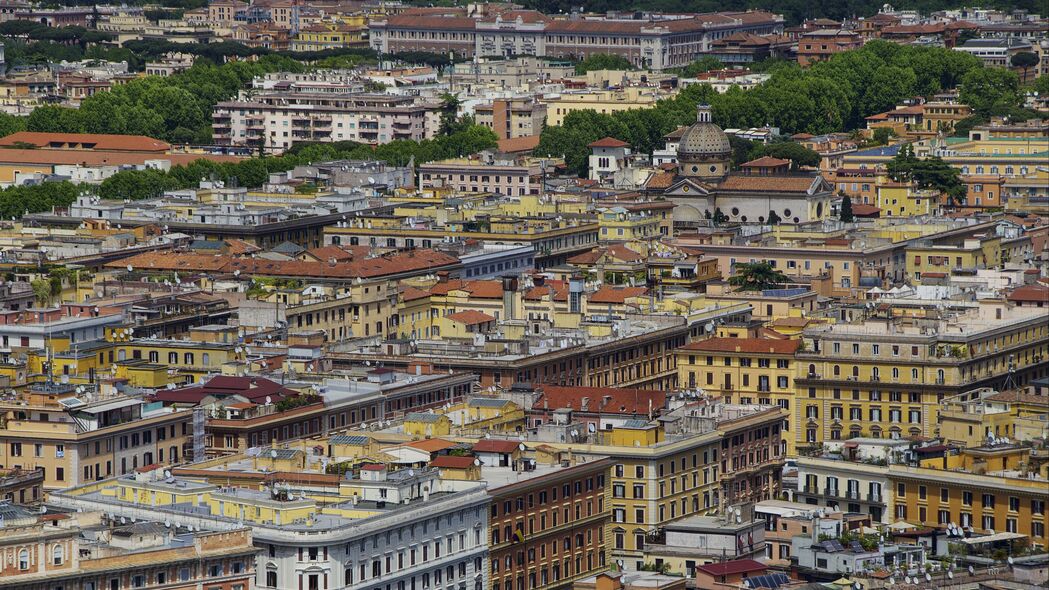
[
  {"x": 972, "y": 570},
  {"x": 928, "y": 577},
  {"x": 477, "y": 462},
  {"x": 167, "y": 524},
  {"x": 521, "y": 446},
  {"x": 411, "y": 473},
  {"x": 1010, "y": 560},
  {"x": 167, "y": 473},
  {"x": 591, "y": 427},
  {"x": 488, "y": 435},
  {"x": 130, "y": 268},
  {"x": 123, "y": 520},
  {"x": 269, "y": 400},
  {"x": 950, "y": 575},
  {"x": 990, "y": 531},
  {"x": 892, "y": 581},
  {"x": 273, "y": 453}
]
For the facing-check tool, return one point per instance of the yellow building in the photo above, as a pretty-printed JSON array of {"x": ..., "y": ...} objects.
[
  {"x": 897, "y": 199},
  {"x": 427, "y": 425},
  {"x": 743, "y": 370},
  {"x": 618, "y": 224},
  {"x": 602, "y": 101},
  {"x": 886, "y": 376},
  {"x": 329, "y": 35},
  {"x": 945, "y": 256},
  {"x": 971, "y": 418},
  {"x": 986, "y": 502}
]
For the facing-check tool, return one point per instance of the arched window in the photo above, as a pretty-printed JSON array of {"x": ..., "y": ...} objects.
[
  {"x": 837, "y": 370},
  {"x": 23, "y": 560},
  {"x": 895, "y": 373},
  {"x": 855, "y": 371},
  {"x": 812, "y": 369},
  {"x": 206, "y": 358},
  {"x": 57, "y": 555},
  {"x": 939, "y": 376}
]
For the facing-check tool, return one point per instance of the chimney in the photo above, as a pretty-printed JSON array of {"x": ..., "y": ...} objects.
[
  {"x": 538, "y": 280},
  {"x": 442, "y": 276},
  {"x": 509, "y": 292}
]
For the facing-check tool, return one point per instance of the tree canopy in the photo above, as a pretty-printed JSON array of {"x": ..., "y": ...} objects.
[
  {"x": 603, "y": 61},
  {"x": 756, "y": 276}
]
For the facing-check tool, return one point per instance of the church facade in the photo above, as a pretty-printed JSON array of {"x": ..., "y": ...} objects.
[{"x": 703, "y": 183}]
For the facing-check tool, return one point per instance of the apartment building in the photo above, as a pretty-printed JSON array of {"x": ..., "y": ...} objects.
[
  {"x": 397, "y": 527},
  {"x": 510, "y": 118},
  {"x": 656, "y": 42},
  {"x": 847, "y": 486},
  {"x": 886, "y": 376},
  {"x": 468, "y": 175},
  {"x": 507, "y": 73},
  {"x": 601, "y": 101},
  {"x": 548, "y": 523},
  {"x": 76, "y": 439},
  {"x": 991, "y": 502},
  {"x": 820, "y": 45},
  {"x": 274, "y": 121},
  {"x": 80, "y": 551}
]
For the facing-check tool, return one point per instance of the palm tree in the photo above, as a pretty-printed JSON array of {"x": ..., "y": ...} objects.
[{"x": 756, "y": 276}]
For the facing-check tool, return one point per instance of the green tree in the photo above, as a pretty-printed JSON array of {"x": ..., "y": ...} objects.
[
  {"x": 1025, "y": 60},
  {"x": 845, "y": 212},
  {"x": 756, "y": 276},
  {"x": 985, "y": 88},
  {"x": 774, "y": 218},
  {"x": 703, "y": 64},
  {"x": 719, "y": 217},
  {"x": 11, "y": 124},
  {"x": 881, "y": 136},
  {"x": 798, "y": 154},
  {"x": 449, "y": 113},
  {"x": 603, "y": 61}
]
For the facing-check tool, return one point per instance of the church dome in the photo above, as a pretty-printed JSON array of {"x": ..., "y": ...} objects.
[{"x": 703, "y": 138}]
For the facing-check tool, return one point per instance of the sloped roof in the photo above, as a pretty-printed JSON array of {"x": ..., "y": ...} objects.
[
  {"x": 452, "y": 462},
  {"x": 254, "y": 389},
  {"x": 1031, "y": 293},
  {"x": 776, "y": 184},
  {"x": 607, "y": 294},
  {"x": 737, "y": 566},
  {"x": 495, "y": 446},
  {"x": 470, "y": 317},
  {"x": 480, "y": 289},
  {"x": 557, "y": 290},
  {"x": 616, "y": 251},
  {"x": 608, "y": 142},
  {"x": 747, "y": 345},
  {"x": 622, "y": 400},
  {"x": 766, "y": 162},
  {"x": 518, "y": 144},
  {"x": 87, "y": 141}
]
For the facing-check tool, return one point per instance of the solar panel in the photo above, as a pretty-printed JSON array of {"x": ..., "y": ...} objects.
[
  {"x": 856, "y": 546},
  {"x": 771, "y": 581}
]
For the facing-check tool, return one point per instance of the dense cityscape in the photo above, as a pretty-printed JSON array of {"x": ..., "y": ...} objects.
[{"x": 393, "y": 295}]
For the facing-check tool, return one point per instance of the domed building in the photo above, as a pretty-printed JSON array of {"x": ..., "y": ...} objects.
[
  {"x": 761, "y": 192},
  {"x": 703, "y": 151}
]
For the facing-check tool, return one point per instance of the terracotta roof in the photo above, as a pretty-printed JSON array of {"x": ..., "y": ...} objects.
[
  {"x": 391, "y": 264},
  {"x": 479, "y": 289},
  {"x": 659, "y": 180},
  {"x": 607, "y": 294},
  {"x": 236, "y": 247},
  {"x": 254, "y": 389},
  {"x": 470, "y": 317},
  {"x": 608, "y": 142},
  {"x": 87, "y": 141},
  {"x": 765, "y": 162},
  {"x": 326, "y": 253},
  {"x": 452, "y": 462},
  {"x": 1032, "y": 293},
  {"x": 445, "y": 23},
  {"x": 622, "y": 400},
  {"x": 792, "y": 322},
  {"x": 373, "y": 467},
  {"x": 777, "y": 184},
  {"x": 495, "y": 446},
  {"x": 13, "y": 156},
  {"x": 746, "y": 345},
  {"x": 864, "y": 210},
  {"x": 1020, "y": 397},
  {"x": 518, "y": 144},
  {"x": 737, "y": 566},
  {"x": 616, "y": 251},
  {"x": 411, "y": 294},
  {"x": 556, "y": 290},
  {"x": 430, "y": 445}
]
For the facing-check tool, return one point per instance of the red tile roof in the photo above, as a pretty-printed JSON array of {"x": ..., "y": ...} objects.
[
  {"x": 747, "y": 345},
  {"x": 411, "y": 294},
  {"x": 518, "y": 144},
  {"x": 1029, "y": 293},
  {"x": 495, "y": 446},
  {"x": 254, "y": 389},
  {"x": 765, "y": 162},
  {"x": 390, "y": 264},
  {"x": 470, "y": 317},
  {"x": 777, "y": 184},
  {"x": 478, "y": 289},
  {"x": 45, "y": 157},
  {"x": 608, "y": 142},
  {"x": 430, "y": 445},
  {"x": 556, "y": 290},
  {"x": 616, "y": 251},
  {"x": 373, "y": 467},
  {"x": 607, "y": 294},
  {"x": 659, "y": 180},
  {"x": 623, "y": 400},
  {"x": 453, "y": 462},
  {"x": 87, "y": 141},
  {"x": 737, "y": 566}
]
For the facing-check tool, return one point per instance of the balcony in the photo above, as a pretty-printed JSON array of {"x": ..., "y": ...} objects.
[
  {"x": 853, "y": 495},
  {"x": 831, "y": 492},
  {"x": 812, "y": 490},
  {"x": 875, "y": 497}
]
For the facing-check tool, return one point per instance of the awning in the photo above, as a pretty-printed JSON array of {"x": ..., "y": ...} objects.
[{"x": 993, "y": 538}]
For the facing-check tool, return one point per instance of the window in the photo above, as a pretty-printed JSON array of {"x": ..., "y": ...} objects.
[
  {"x": 57, "y": 555},
  {"x": 23, "y": 559}
]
